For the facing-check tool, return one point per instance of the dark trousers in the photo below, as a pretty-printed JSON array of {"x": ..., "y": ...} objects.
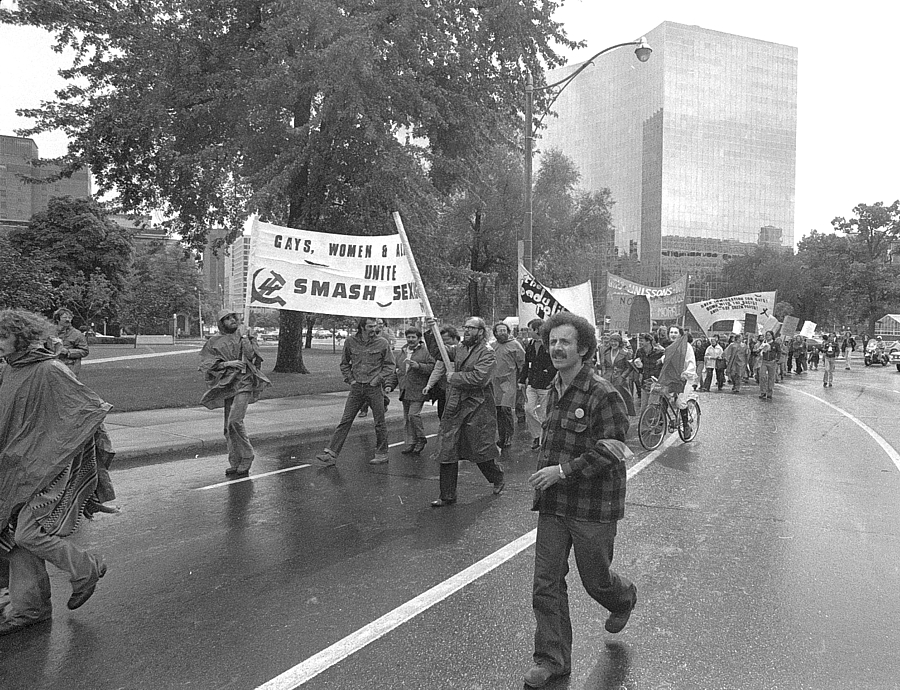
[
  {"x": 720, "y": 378},
  {"x": 361, "y": 393},
  {"x": 593, "y": 544},
  {"x": 505, "y": 424},
  {"x": 450, "y": 474}
]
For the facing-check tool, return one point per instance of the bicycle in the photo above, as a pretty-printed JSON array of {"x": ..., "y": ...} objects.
[{"x": 664, "y": 417}]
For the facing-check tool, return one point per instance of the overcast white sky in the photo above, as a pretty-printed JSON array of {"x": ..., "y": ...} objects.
[{"x": 848, "y": 148}]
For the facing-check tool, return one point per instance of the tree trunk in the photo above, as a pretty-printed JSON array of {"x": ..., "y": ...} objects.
[
  {"x": 310, "y": 322},
  {"x": 290, "y": 343}
]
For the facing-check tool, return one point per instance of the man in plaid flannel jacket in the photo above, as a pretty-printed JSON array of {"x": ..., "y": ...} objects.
[{"x": 579, "y": 495}]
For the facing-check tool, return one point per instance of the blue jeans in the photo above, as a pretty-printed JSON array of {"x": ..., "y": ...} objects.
[
  {"x": 767, "y": 372},
  {"x": 361, "y": 393},
  {"x": 593, "y": 544}
]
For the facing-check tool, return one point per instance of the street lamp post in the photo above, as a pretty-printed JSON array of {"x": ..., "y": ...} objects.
[{"x": 642, "y": 52}]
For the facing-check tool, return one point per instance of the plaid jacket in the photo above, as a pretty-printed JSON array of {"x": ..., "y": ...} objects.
[{"x": 585, "y": 433}]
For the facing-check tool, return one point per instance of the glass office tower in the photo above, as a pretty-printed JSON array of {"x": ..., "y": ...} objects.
[{"x": 697, "y": 145}]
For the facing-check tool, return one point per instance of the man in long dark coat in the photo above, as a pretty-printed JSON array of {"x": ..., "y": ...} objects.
[{"x": 469, "y": 426}]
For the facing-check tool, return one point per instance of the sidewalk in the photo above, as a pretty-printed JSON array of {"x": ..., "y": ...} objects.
[{"x": 156, "y": 433}]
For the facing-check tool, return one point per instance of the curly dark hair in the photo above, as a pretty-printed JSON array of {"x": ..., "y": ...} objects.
[
  {"x": 587, "y": 335},
  {"x": 26, "y": 327}
]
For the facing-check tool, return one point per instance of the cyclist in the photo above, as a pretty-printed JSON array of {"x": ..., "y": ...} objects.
[{"x": 679, "y": 370}]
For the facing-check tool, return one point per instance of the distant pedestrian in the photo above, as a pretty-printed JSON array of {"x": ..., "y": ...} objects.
[
  {"x": 468, "y": 428},
  {"x": 615, "y": 367},
  {"x": 648, "y": 362},
  {"x": 769, "y": 357},
  {"x": 714, "y": 361},
  {"x": 48, "y": 469},
  {"x": 414, "y": 365},
  {"x": 847, "y": 347},
  {"x": 830, "y": 350},
  {"x": 536, "y": 377},
  {"x": 579, "y": 494},
  {"x": 509, "y": 356},
  {"x": 230, "y": 364},
  {"x": 367, "y": 363},
  {"x": 736, "y": 356},
  {"x": 71, "y": 345},
  {"x": 438, "y": 391}
]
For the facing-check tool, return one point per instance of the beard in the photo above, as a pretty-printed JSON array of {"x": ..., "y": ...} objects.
[
  {"x": 228, "y": 330},
  {"x": 470, "y": 340},
  {"x": 502, "y": 338}
]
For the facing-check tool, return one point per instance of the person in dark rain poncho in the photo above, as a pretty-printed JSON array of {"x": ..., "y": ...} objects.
[
  {"x": 230, "y": 362},
  {"x": 48, "y": 470}
]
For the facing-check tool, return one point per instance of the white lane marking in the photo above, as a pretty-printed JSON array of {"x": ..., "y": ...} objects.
[
  {"x": 85, "y": 362},
  {"x": 885, "y": 446},
  {"x": 403, "y": 443},
  {"x": 250, "y": 478},
  {"x": 267, "y": 474},
  {"x": 340, "y": 650}
]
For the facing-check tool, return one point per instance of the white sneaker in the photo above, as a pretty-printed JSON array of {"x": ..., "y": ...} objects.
[{"x": 379, "y": 459}]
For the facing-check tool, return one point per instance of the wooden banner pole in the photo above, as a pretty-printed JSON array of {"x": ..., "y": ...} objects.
[{"x": 421, "y": 287}]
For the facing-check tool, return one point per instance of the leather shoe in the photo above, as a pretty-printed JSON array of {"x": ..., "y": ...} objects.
[
  {"x": 420, "y": 446},
  {"x": 538, "y": 676},
  {"x": 8, "y": 627},
  {"x": 230, "y": 472},
  {"x": 617, "y": 621},
  {"x": 239, "y": 474},
  {"x": 442, "y": 502},
  {"x": 409, "y": 450},
  {"x": 81, "y": 596}
]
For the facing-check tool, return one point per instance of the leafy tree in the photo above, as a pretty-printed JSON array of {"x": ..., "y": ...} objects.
[
  {"x": 319, "y": 114},
  {"x": 572, "y": 228},
  {"x": 475, "y": 239},
  {"x": 87, "y": 298},
  {"x": 75, "y": 240},
  {"x": 24, "y": 281},
  {"x": 163, "y": 282},
  {"x": 871, "y": 280}
]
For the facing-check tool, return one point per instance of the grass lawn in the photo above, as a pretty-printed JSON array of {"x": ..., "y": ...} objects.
[{"x": 175, "y": 381}]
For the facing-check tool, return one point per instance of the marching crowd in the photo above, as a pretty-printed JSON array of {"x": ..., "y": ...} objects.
[{"x": 578, "y": 398}]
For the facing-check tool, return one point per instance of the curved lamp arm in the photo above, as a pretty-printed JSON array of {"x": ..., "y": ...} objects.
[{"x": 642, "y": 52}]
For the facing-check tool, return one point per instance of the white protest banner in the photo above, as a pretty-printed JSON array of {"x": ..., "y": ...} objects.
[
  {"x": 666, "y": 302},
  {"x": 709, "y": 311},
  {"x": 738, "y": 327},
  {"x": 325, "y": 273},
  {"x": 809, "y": 329},
  {"x": 536, "y": 301}
]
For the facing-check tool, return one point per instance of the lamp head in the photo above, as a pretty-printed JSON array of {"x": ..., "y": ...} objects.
[{"x": 642, "y": 52}]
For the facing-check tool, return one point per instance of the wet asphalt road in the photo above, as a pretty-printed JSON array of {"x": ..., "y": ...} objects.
[{"x": 765, "y": 554}]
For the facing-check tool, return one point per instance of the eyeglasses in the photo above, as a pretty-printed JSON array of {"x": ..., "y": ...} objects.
[{"x": 471, "y": 328}]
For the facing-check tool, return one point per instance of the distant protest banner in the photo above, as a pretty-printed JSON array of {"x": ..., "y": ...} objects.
[
  {"x": 623, "y": 297},
  {"x": 809, "y": 329},
  {"x": 537, "y": 301},
  {"x": 324, "y": 273},
  {"x": 789, "y": 326},
  {"x": 750, "y": 322},
  {"x": 709, "y": 311}
]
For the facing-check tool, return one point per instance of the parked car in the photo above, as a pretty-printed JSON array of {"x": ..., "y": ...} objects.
[{"x": 894, "y": 353}]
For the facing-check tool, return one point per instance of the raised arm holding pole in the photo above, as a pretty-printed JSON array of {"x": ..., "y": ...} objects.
[{"x": 421, "y": 287}]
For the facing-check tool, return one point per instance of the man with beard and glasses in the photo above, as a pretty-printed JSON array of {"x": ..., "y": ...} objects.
[
  {"x": 579, "y": 494},
  {"x": 230, "y": 363},
  {"x": 510, "y": 358},
  {"x": 468, "y": 428}
]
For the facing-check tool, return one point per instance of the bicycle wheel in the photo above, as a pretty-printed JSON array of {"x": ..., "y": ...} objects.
[
  {"x": 652, "y": 426},
  {"x": 693, "y": 419}
]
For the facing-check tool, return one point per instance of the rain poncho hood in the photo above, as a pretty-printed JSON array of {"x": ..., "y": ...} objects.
[
  {"x": 46, "y": 416},
  {"x": 673, "y": 364}
]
